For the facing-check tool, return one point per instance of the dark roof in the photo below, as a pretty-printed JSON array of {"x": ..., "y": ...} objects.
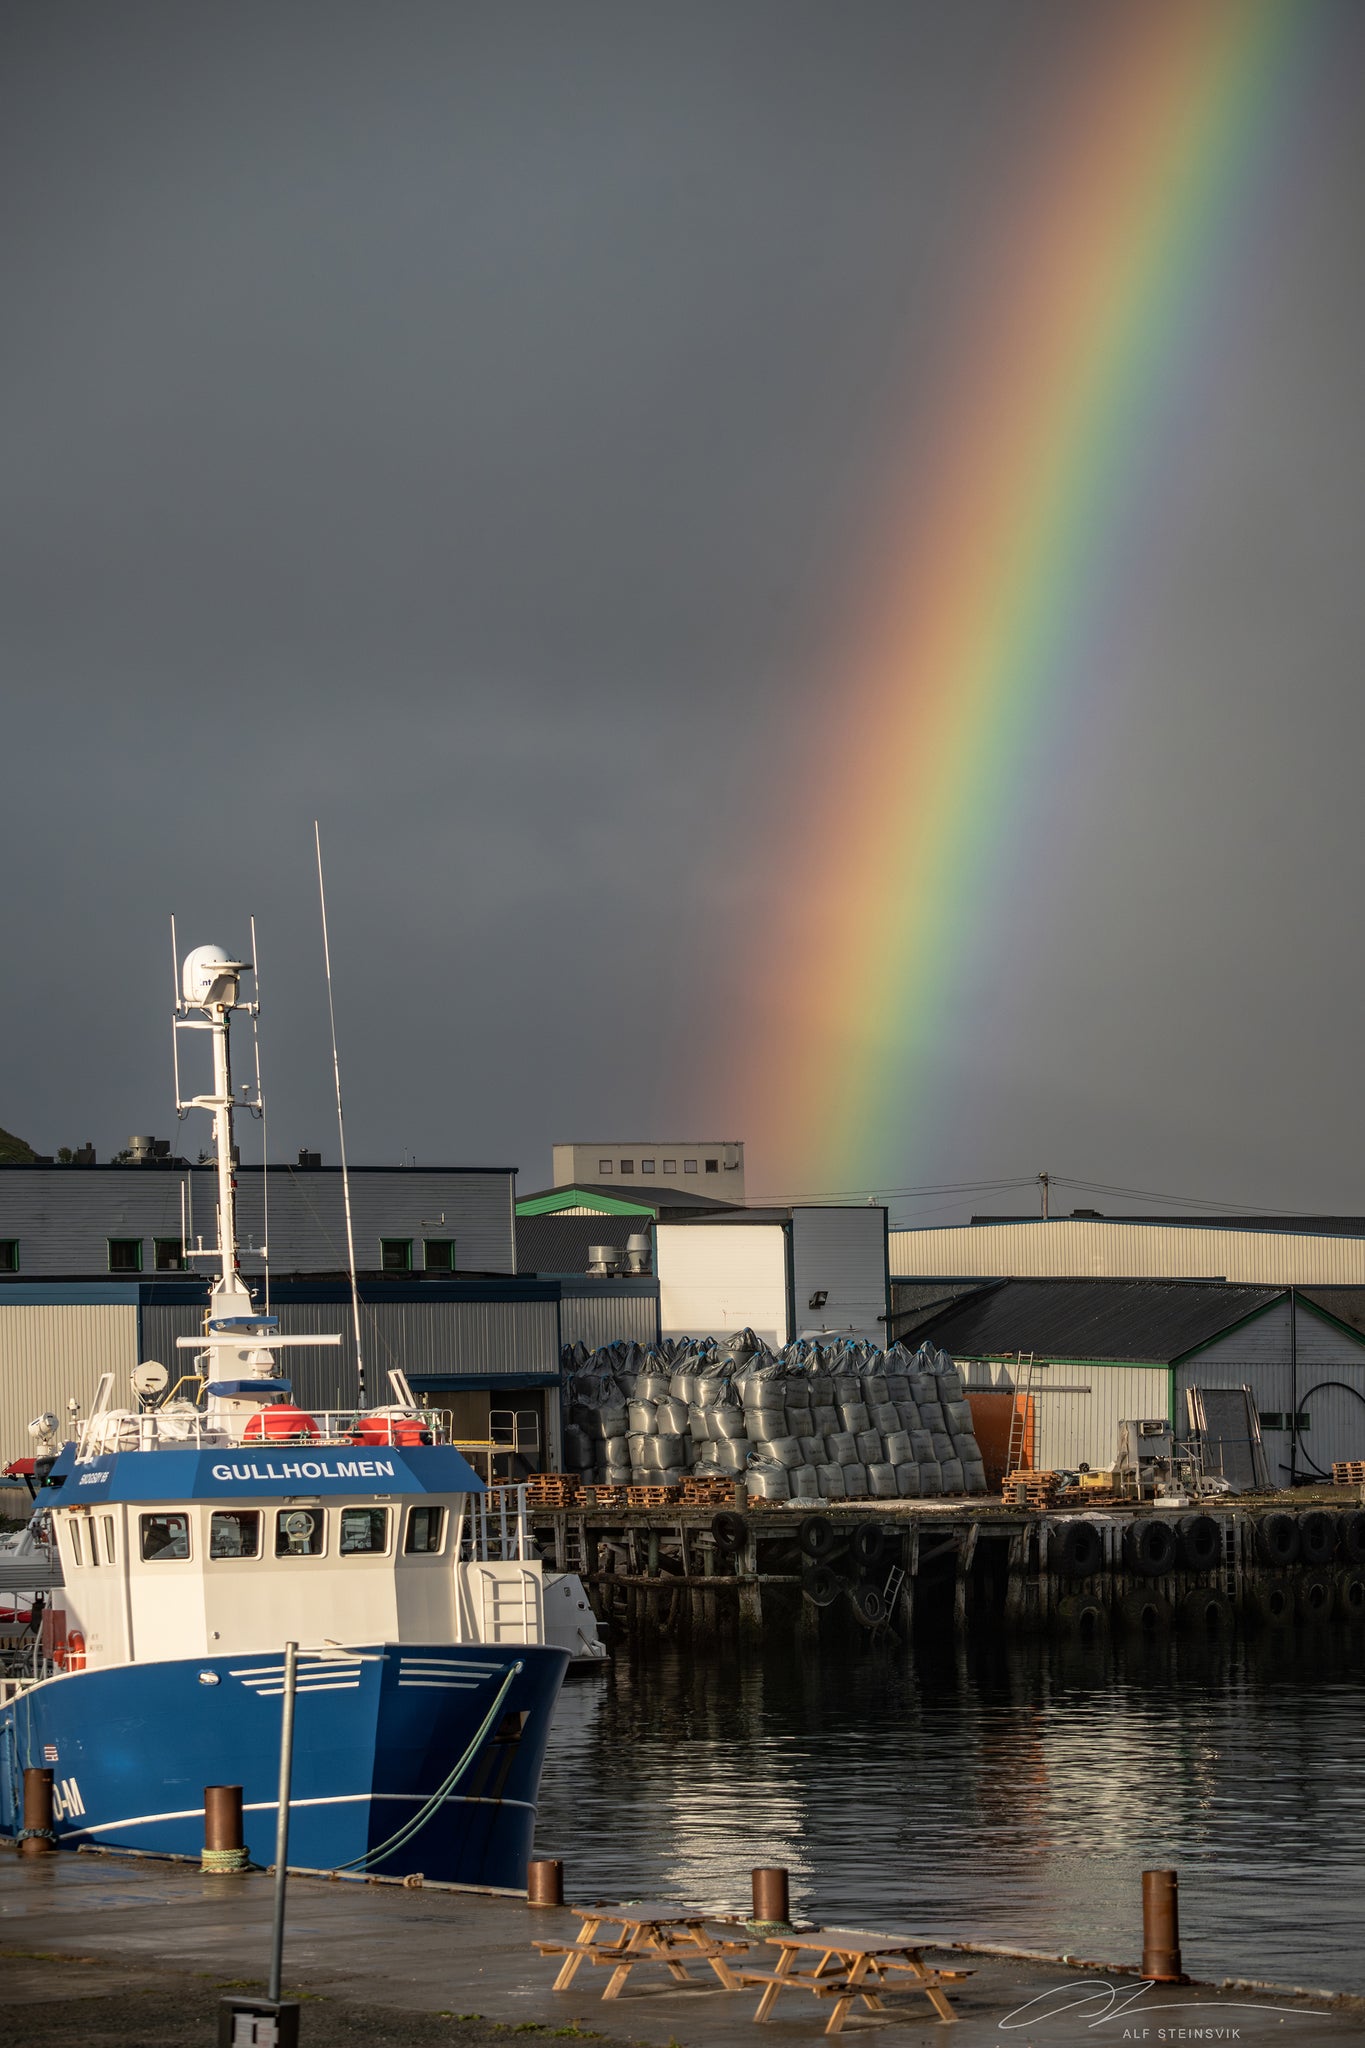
[
  {"x": 1347, "y": 1304},
  {"x": 1305, "y": 1226},
  {"x": 1147, "y": 1321},
  {"x": 559, "y": 1244},
  {"x": 651, "y": 1198},
  {"x": 916, "y": 1302}
]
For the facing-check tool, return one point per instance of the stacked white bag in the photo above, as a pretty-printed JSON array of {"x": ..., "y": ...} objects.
[{"x": 843, "y": 1422}]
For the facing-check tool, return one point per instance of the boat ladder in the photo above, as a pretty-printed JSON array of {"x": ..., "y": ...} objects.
[{"x": 891, "y": 1593}]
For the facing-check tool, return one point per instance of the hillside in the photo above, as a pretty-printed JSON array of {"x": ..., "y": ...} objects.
[{"x": 13, "y": 1151}]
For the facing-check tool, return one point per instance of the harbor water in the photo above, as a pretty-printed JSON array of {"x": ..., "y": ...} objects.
[{"x": 999, "y": 1792}]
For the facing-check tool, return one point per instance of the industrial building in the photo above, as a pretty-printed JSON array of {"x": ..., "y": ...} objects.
[
  {"x": 1120, "y": 1350},
  {"x": 711, "y": 1167},
  {"x": 1261, "y": 1251}
]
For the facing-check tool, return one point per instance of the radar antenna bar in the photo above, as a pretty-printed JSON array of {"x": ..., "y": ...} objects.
[{"x": 341, "y": 1126}]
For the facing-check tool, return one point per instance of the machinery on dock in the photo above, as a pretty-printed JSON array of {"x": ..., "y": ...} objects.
[{"x": 202, "y": 1522}]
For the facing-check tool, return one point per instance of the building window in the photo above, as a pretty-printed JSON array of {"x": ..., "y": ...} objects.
[
  {"x": 170, "y": 1254},
  {"x": 438, "y": 1254},
  {"x": 689, "y": 1166},
  {"x": 646, "y": 1166},
  {"x": 670, "y": 1166},
  {"x": 125, "y": 1255},
  {"x": 164, "y": 1538},
  {"x": 627, "y": 1166},
  {"x": 364, "y": 1532},
  {"x": 604, "y": 1166},
  {"x": 300, "y": 1532},
  {"x": 235, "y": 1532},
  {"x": 395, "y": 1254},
  {"x": 1271, "y": 1418},
  {"x": 9, "y": 1254},
  {"x": 713, "y": 1166},
  {"x": 426, "y": 1531}
]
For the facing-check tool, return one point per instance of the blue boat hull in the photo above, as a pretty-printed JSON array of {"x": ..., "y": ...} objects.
[{"x": 378, "y": 1730}]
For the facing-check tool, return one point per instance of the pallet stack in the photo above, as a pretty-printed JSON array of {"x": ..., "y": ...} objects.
[
  {"x": 708, "y": 1491},
  {"x": 1349, "y": 1472},
  {"x": 652, "y": 1496},
  {"x": 554, "y": 1490},
  {"x": 609, "y": 1497},
  {"x": 1035, "y": 1490}
]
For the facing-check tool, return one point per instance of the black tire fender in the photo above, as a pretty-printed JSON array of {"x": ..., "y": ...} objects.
[
  {"x": 869, "y": 1605},
  {"x": 821, "y": 1586},
  {"x": 729, "y": 1529},
  {"x": 1317, "y": 1538},
  {"x": 1145, "y": 1612},
  {"x": 1201, "y": 1543},
  {"x": 1149, "y": 1547},
  {"x": 1277, "y": 1539},
  {"x": 868, "y": 1543},
  {"x": 1080, "y": 1549},
  {"x": 1274, "y": 1603},
  {"x": 1206, "y": 1611},
  {"x": 1081, "y": 1614},
  {"x": 1351, "y": 1535},
  {"x": 1351, "y": 1595},
  {"x": 1314, "y": 1596},
  {"x": 816, "y": 1536}
]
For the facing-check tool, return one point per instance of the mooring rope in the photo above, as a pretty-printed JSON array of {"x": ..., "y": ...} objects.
[{"x": 412, "y": 1827}]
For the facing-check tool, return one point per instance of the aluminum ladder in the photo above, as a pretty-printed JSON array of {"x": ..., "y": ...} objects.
[{"x": 1020, "y": 1410}]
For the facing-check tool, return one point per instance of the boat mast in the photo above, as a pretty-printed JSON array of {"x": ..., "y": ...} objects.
[{"x": 211, "y": 984}]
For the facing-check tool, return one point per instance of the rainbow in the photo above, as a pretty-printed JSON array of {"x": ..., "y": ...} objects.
[{"x": 978, "y": 638}]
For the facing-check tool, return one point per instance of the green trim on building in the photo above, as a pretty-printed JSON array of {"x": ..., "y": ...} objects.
[{"x": 584, "y": 1198}]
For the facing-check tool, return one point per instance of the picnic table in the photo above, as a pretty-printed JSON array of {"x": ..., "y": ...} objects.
[
  {"x": 851, "y": 1965},
  {"x": 649, "y": 1931}
]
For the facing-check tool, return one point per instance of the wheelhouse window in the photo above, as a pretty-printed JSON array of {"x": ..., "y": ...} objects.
[
  {"x": 165, "y": 1538},
  {"x": 234, "y": 1532},
  {"x": 426, "y": 1531},
  {"x": 9, "y": 1254},
  {"x": 438, "y": 1254},
  {"x": 300, "y": 1532},
  {"x": 395, "y": 1254},
  {"x": 107, "y": 1530},
  {"x": 364, "y": 1532},
  {"x": 125, "y": 1254},
  {"x": 77, "y": 1541},
  {"x": 169, "y": 1253}
]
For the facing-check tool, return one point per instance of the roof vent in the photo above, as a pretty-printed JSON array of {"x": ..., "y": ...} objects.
[
  {"x": 310, "y": 1161},
  {"x": 603, "y": 1260},
  {"x": 637, "y": 1253}
]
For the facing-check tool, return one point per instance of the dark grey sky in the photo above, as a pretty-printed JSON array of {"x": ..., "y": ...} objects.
[{"x": 460, "y": 424}]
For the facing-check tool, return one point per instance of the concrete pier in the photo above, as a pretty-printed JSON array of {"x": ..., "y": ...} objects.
[{"x": 99, "y": 1950}]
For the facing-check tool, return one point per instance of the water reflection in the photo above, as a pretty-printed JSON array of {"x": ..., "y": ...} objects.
[{"x": 1010, "y": 1793}]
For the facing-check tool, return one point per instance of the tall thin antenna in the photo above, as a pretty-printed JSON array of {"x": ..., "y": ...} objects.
[
  {"x": 175, "y": 1035},
  {"x": 260, "y": 1104},
  {"x": 341, "y": 1124}
]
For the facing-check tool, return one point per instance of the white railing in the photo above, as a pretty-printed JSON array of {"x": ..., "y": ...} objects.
[
  {"x": 496, "y": 1529},
  {"x": 189, "y": 1428}
]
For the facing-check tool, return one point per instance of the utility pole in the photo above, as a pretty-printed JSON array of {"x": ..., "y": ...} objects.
[{"x": 1044, "y": 1182}]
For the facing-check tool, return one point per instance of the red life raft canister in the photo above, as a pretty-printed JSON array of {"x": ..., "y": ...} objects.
[
  {"x": 282, "y": 1421},
  {"x": 390, "y": 1426}
]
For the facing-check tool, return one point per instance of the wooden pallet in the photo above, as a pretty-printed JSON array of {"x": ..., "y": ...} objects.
[
  {"x": 705, "y": 1492},
  {"x": 553, "y": 1490},
  {"x": 605, "y": 1496},
  {"x": 652, "y": 1496},
  {"x": 1348, "y": 1472},
  {"x": 1030, "y": 1489}
]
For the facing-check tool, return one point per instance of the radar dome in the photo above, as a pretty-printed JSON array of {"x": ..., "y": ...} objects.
[{"x": 210, "y": 976}]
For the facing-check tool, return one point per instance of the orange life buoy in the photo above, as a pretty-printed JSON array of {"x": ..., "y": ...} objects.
[{"x": 75, "y": 1651}]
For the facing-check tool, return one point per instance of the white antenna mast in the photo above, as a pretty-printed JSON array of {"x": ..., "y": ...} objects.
[
  {"x": 260, "y": 1106},
  {"x": 341, "y": 1124}
]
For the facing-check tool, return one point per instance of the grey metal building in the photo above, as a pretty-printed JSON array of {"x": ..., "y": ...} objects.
[{"x": 58, "y": 1221}]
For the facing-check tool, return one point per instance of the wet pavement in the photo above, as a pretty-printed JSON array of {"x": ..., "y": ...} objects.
[{"x": 96, "y": 1949}]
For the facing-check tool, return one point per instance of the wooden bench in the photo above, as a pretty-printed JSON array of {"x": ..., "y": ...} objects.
[
  {"x": 649, "y": 1934},
  {"x": 851, "y": 1966}
]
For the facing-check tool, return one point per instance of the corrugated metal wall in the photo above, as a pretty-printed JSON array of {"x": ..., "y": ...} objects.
[
  {"x": 716, "y": 1278},
  {"x": 63, "y": 1217},
  {"x": 1258, "y": 1355},
  {"x": 50, "y": 1354},
  {"x": 841, "y": 1252},
  {"x": 1075, "y": 1429},
  {"x": 494, "y": 1339},
  {"x": 603, "y": 1318},
  {"x": 1071, "y": 1249}
]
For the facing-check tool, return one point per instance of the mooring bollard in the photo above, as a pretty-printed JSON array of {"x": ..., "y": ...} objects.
[
  {"x": 772, "y": 1906},
  {"x": 36, "y": 1837},
  {"x": 224, "y": 1850},
  {"x": 1161, "y": 1927},
  {"x": 545, "y": 1882}
]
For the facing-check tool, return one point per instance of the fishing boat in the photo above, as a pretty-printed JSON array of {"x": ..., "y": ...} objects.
[{"x": 204, "y": 1521}]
